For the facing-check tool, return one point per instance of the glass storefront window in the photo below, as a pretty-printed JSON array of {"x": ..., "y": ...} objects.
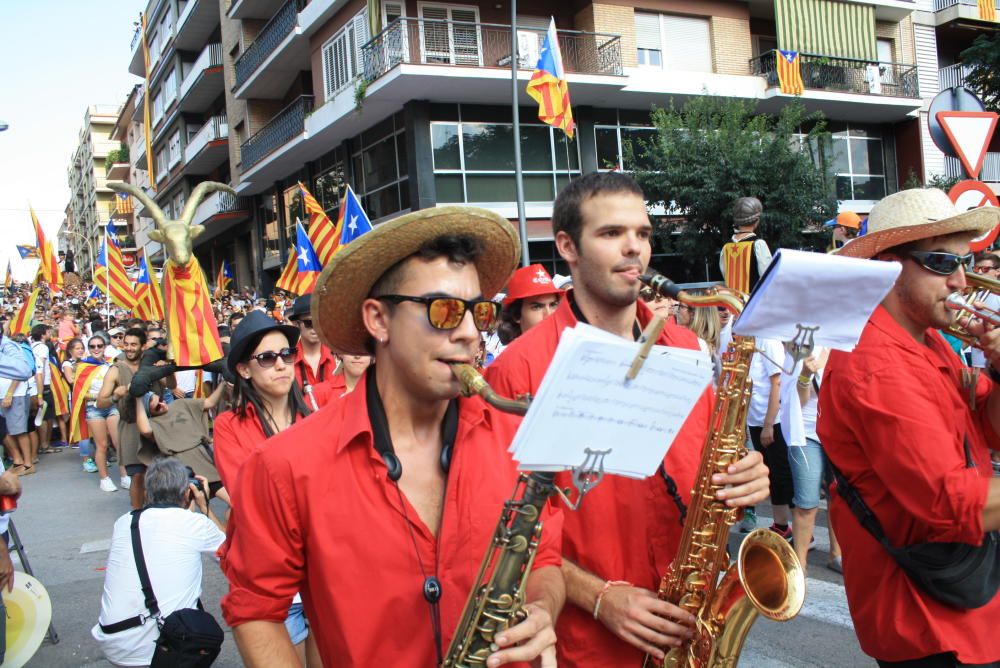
[
  {"x": 444, "y": 139},
  {"x": 269, "y": 224},
  {"x": 327, "y": 190},
  {"x": 857, "y": 160},
  {"x": 294, "y": 211},
  {"x": 379, "y": 169}
]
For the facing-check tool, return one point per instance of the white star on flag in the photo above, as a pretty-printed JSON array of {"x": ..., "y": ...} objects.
[
  {"x": 353, "y": 225},
  {"x": 303, "y": 255}
]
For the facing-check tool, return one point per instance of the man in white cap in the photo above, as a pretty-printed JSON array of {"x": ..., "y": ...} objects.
[
  {"x": 909, "y": 433},
  {"x": 379, "y": 506}
]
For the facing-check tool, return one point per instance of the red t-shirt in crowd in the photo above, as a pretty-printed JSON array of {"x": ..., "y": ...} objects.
[
  {"x": 893, "y": 417},
  {"x": 304, "y": 372},
  {"x": 626, "y": 529},
  {"x": 314, "y": 512}
]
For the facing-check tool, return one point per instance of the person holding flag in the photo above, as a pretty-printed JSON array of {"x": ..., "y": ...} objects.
[
  {"x": 549, "y": 87},
  {"x": 86, "y": 419},
  {"x": 21, "y": 324}
]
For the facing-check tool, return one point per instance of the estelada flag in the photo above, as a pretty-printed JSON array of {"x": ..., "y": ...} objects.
[
  {"x": 790, "y": 73},
  {"x": 307, "y": 266},
  {"x": 323, "y": 234},
  {"x": 85, "y": 374},
  {"x": 223, "y": 280},
  {"x": 192, "y": 332},
  {"x": 28, "y": 252},
  {"x": 21, "y": 324},
  {"x": 548, "y": 85},
  {"x": 60, "y": 390},
  {"x": 50, "y": 264},
  {"x": 736, "y": 257},
  {"x": 109, "y": 274},
  {"x": 352, "y": 219},
  {"x": 148, "y": 297},
  {"x": 289, "y": 279}
]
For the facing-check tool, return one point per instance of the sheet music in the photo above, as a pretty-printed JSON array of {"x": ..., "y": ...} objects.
[
  {"x": 584, "y": 402},
  {"x": 834, "y": 293}
]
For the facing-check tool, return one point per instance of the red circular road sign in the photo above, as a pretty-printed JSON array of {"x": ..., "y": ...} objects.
[
  {"x": 971, "y": 194},
  {"x": 128, "y": 259}
]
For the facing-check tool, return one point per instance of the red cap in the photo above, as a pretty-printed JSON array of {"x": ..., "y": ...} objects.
[{"x": 529, "y": 281}]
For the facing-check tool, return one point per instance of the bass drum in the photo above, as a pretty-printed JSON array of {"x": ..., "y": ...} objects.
[{"x": 29, "y": 612}]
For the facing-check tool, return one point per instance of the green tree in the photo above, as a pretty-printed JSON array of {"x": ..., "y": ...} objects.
[
  {"x": 984, "y": 79},
  {"x": 714, "y": 150}
]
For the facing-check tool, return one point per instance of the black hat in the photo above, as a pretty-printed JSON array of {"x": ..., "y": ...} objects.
[
  {"x": 250, "y": 331},
  {"x": 301, "y": 308}
]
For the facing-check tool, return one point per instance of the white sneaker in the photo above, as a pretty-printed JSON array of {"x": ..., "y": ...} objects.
[
  {"x": 126, "y": 482},
  {"x": 107, "y": 485}
]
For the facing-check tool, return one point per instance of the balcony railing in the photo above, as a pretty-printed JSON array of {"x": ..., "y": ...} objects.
[
  {"x": 953, "y": 75},
  {"x": 288, "y": 123},
  {"x": 218, "y": 203},
  {"x": 940, "y": 5},
  {"x": 270, "y": 36},
  {"x": 462, "y": 44},
  {"x": 849, "y": 75},
  {"x": 214, "y": 129},
  {"x": 990, "y": 171},
  {"x": 136, "y": 37},
  {"x": 211, "y": 56}
]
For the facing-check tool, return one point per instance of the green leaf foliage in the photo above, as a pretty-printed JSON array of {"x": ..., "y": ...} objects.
[
  {"x": 984, "y": 79},
  {"x": 715, "y": 150}
]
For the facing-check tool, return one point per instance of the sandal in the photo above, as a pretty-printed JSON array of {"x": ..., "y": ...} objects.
[
  {"x": 836, "y": 564},
  {"x": 28, "y": 470}
]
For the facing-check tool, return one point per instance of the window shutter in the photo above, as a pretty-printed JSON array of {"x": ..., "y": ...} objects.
[
  {"x": 465, "y": 38},
  {"x": 687, "y": 44},
  {"x": 647, "y": 31},
  {"x": 393, "y": 11}
]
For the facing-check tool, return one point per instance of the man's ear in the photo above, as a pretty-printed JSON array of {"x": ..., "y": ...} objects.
[
  {"x": 375, "y": 314},
  {"x": 566, "y": 247}
]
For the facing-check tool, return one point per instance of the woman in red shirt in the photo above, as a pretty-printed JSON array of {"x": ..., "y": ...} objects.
[{"x": 266, "y": 401}]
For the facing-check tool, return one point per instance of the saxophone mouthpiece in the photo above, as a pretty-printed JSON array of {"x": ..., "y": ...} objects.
[{"x": 660, "y": 284}]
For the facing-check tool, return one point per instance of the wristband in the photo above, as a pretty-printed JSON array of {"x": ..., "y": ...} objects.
[
  {"x": 604, "y": 590},
  {"x": 805, "y": 380}
]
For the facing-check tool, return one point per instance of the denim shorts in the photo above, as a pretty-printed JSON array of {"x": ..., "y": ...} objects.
[
  {"x": 95, "y": 413},
  {"x": 807, "y": 473},
  {"x": 296, "y": 624}
]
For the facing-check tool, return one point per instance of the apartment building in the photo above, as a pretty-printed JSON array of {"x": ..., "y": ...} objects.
[
  {"x": 189, "y": 130},
  {"x": 408, "y": 101},
  {"x": 942, "y": 30},
  {"x": 130, "y": 134},
  {"x": 90, "y": 204}
]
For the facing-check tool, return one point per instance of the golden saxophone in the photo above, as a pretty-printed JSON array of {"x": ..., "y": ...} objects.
[
  {"x": 767, "y": 578},
  {"x": 496, "y": 603}
]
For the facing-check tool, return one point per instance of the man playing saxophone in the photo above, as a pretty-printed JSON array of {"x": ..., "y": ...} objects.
[
  {"x": 909, "y": 430},
  {"x": 621, "y": 540},
  {"x": 379, "y": 506}
]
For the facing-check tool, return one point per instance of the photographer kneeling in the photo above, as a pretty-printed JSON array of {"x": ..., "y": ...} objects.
[{"x": 173, "y": 537}]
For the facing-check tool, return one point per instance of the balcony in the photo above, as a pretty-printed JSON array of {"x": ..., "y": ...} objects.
[
  {"x": 965, "y": 11},
  {"x": 288, "y": 124},
  {"x": 209, "y": 147},
  {"x": 280, "y": 51},
  {"x": 204, "y": 83},
  {"x": 136, "y": 64},
  {"x": 117, "y": 171},
  {"x": 219, "y": 212},
  {"x": 953, "y": 75},
  {"x": 196, "y": 24},
  {"x": 251, "y": 9}
]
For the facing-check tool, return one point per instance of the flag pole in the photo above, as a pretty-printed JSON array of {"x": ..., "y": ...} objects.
[
  {"x": 522, "y": 224},
  {"x": 107, "y": 276}
]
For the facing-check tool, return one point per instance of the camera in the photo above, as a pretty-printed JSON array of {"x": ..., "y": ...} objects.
[{"x": 191, "y": 479}]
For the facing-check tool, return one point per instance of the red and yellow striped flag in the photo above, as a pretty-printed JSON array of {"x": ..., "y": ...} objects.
[
  {"x": 548, "y": 85},
  {"x": 21, "y": 324},
  {"x": 110, "y": 276},
  {"x": 199, "y": 385},
  {"x": 324, "y": 235},
  {"x": 50, "y": 263},
  {"x": 148, "y": 298},
  {"x": 9, "y": 281},
  {"x": 192, "y": 332},
  {"x": 289, "y": 279},
  {"x": 790, "y": 73},
  {"x": 60, "y": 390},
  {"x": 85, "y": 374},
  {"x": 988, "y": 10},
  {"x": 736, "y": 257}
]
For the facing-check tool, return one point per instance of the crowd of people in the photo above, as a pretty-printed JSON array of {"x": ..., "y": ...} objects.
[{"x": 359, "y": 486}]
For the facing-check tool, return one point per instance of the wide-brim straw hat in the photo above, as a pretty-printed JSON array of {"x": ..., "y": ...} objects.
[
  {"x": 348, "y": 279},
  {"x": 910, "y": 215}
]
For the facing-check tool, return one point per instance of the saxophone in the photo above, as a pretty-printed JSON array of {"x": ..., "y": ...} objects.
[
  {"x": 767, "y": 578},
  {"x": 497, "y": 603}
]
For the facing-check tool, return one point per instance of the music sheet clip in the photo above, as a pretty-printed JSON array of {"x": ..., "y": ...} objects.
[
  {"x": 648, "y": 340},
  {"x": 586, "y": 476}
]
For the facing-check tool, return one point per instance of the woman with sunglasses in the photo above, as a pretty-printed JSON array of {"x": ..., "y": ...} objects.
[
  {"x": 266, "y": 400},
  {"x": 101, "y": 422},
  {"x": 76, "y": 351}
]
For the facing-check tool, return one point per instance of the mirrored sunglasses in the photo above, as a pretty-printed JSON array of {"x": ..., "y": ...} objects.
[
  {"x": 942, "y": 263},
  {"x": 447, "y": 312}
]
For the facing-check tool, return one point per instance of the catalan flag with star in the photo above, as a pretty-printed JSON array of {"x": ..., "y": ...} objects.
[
  {"x": 790, "y": 73},
  {"x": 123, "y": 203},
  {"x": 549, "y": 87},
  {"x": 192, "y": 331},
  {"x": 109, "y": 274},
  {"x": 28, "y": 252},
  {"x": 302, "y": 268},
  {"x": 223, "y": 280},
  {"x": 352, "y": 219},
  {"x": 21, "y": 324},
  {"x": 50, "y": 264},
  {"x": 148, "y": 298},
  {"x": 323, "y": 234}
]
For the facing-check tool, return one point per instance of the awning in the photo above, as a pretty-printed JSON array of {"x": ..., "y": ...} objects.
[{"x": 826, "y": 28}]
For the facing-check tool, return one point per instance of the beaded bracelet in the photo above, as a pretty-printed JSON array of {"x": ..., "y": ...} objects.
[{"x": 604, "y": 590}]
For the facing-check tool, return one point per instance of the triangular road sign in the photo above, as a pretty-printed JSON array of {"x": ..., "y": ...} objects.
[{"x": 970, "y": 133}]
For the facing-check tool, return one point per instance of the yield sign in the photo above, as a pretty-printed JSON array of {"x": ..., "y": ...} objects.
[{"x": 969, "y": 133}]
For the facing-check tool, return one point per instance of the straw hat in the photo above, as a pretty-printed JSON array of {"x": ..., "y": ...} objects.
[
  {"x": 348, "y": 279},
  {"x": 915, "y": 214}
]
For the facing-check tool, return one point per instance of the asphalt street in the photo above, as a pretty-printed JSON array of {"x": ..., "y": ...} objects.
[{"x": 65, "y": 523}]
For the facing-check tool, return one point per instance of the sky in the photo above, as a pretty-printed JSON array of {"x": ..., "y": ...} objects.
[{"x": 57, "y": 57}]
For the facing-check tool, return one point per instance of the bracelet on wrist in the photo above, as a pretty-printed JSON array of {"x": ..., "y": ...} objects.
[{"x": 604, "y": 590}]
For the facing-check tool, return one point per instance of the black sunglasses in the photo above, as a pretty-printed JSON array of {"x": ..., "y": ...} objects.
[
  {"x": 95, "y": 346},
  {"x": 307, "y": 322},
  {"x": 269, "y": 358},
  {"x": 448, "y": 312},
  {"x": 942, "y": 263}
]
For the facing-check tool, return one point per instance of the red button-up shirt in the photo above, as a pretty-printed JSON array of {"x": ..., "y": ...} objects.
[
  {"x": 304, "y": 372},
  {"x": 626, "y": 529},
  {"x": 893, "y": 418},
  {"x": 314, "y": 512}
]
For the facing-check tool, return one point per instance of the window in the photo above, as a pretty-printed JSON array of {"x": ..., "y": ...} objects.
[
  {"x": 174, "y": 147},
  {"x": 443, "y": 38},
  {"x": 294, "y": 212},
  {"x": 161, "y": 164},
  {"x": 857, "y": 161},
  {"x": 268, "y": 217},
  {"x": 328, "y": 188},
  {"x": 158, "y": 107},
  {"x": 342, "y": 55},
  {"x": 169, "y": 88},
  {"x": 397, "y": 43},
  {"x": 380, "y": 170},
  {"x": 621, "y": 145},
  {"x": 681, "y": 43}
]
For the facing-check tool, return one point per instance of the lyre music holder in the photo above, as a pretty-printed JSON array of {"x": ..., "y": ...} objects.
[
  {"x": 586, "y": 476},
  {"x": 803, "y": 344}
]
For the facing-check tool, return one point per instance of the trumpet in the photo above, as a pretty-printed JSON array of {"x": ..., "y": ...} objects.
[{"x": 978, "y": 290}]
